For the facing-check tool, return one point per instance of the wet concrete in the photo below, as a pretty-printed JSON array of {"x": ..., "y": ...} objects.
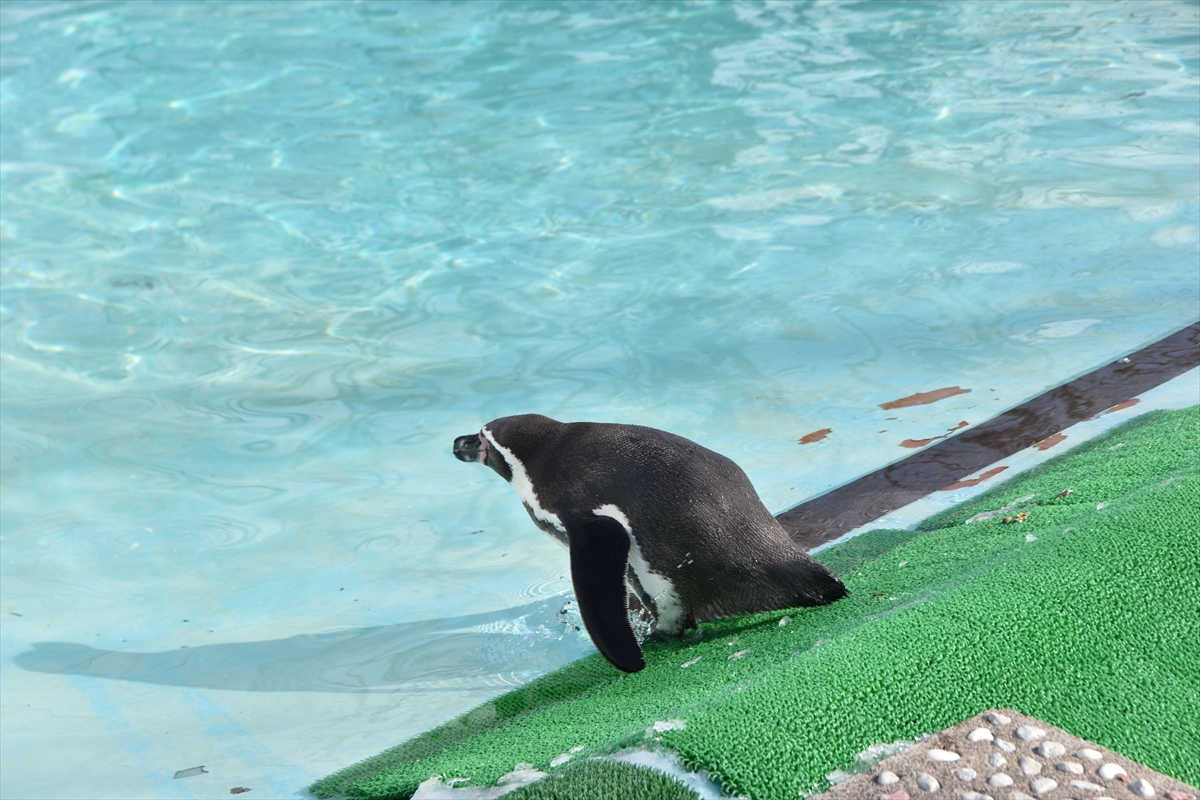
[{"x": 1035, "y": 421}]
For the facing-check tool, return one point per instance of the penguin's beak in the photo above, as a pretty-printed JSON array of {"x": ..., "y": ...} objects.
[{"x": 471, "y": 447}]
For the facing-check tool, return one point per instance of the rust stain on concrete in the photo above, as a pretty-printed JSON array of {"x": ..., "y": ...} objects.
[
  {"x": 815, "y": 436},
  {"x": 1130, "y": 403},
  {"x": 991, "y": 473},
  {"x": 1050, "y": 441},
  {"x": 924, "y": 398},
  {"x": 922, "y": 442}
]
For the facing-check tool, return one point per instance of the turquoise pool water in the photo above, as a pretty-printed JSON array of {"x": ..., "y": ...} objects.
[{"x": 263, "y": 261}]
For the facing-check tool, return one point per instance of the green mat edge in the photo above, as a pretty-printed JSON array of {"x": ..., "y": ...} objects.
[{"x": 596, "y": 777}]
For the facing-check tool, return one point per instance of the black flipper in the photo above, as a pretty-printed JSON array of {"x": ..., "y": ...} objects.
[{"x": 599, "y": 556}]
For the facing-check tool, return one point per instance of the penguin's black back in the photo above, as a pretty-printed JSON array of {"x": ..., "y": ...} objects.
[{"x": 695, "y": 515}]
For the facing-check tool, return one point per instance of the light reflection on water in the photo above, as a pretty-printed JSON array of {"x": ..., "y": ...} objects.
[{"x": 261, "y": 266}]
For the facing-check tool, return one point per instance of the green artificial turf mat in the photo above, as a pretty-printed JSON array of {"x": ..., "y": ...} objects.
[
  {"x": 596, "y": 779},
  {"x": 853, "y": 553},
  {"x": 1086, "y": 614}
]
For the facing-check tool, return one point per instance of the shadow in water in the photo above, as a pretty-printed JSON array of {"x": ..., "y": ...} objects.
[{"x": 450, "y": 654}]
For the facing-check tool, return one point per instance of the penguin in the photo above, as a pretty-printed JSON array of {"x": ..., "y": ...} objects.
[{"x": 677, "y": 523}]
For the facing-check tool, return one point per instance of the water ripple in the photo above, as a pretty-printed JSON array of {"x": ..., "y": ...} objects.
[{"x": 260, "y": 267}]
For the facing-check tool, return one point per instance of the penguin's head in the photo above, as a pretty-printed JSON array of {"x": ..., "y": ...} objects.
[
  {"x": 506, "y": 442},
  {"x": 477, "y": 447},
  {"x": 472, "y": 447}
]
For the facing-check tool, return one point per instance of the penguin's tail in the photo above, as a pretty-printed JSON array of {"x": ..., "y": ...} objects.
[{"x": 810, "y": 583}]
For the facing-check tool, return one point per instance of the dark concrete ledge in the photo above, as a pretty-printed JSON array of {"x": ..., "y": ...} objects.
[{"x": 827, "y": 517}]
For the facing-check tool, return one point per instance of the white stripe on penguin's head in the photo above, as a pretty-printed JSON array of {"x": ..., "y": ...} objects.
[{"x": 521, "y": 483}]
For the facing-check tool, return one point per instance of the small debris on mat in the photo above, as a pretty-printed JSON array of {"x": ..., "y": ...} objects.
[
  {"x": 238, "y": 790},
  {"x": 191, "y": 772},
  {"x": 1004, "y": 755},
  {"x": 983, "y": 516}
]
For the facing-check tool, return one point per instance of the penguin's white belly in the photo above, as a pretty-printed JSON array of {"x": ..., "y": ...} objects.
[{"x": 655, "y": 584}]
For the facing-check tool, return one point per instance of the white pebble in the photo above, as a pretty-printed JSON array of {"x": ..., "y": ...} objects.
[
  {"x": 1087, "y": 787},
  {"x": 665, "y": 725},
  {"x": 1110, "y": 771},
  {"x": 1043, "y": 785},
  {"x": 997, "y": 761},
  {"x": 1030, "y": 733},
  {"x": 975, "y": 796},
  {"x": 887, "y": 778},
  {"x": 928, "y": 782},
  {"x": 1030, "y": 766},
  {"x": 1142, "y": 788},
  {"x": 1088, "y": 754},
  {"x": 942, "y": 755},
  {"x": 980, "y": 735},
  {"x": 965, "y": 774},
  {"x": 1000, "y": 781},
  {"x": 1007, "y": 747},
  {"x": 996, "y": 718},
  {"x": 1050, "y": 749},
  {"x": 1073, "y": 767},
  {"x": 1029, "y": 537},
  {"x": 1021, "y": 796}
]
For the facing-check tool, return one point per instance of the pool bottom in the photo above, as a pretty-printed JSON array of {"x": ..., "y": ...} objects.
[{"x": 1059, "y": 593}]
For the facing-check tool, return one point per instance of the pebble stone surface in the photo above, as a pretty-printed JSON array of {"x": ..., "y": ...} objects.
[{"x": 1004, "y": 755}]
